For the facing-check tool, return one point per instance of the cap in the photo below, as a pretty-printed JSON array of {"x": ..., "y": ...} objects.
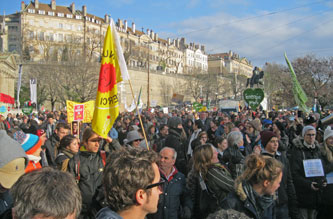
[{"x": 10, "y": 173}]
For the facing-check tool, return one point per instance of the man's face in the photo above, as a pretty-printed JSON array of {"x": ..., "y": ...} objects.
[
  {"x": 272, "y": 145},
  {"x": 62, "y": 132},
  {"x": 166, "y": 160},
  {"x": 202, "y": 116},
  {"x": 152, "y": 201},
  {"x": 310, "y": 137},
  {"x": 165, "y": 131},
  {"x": 50, "y": 120}
]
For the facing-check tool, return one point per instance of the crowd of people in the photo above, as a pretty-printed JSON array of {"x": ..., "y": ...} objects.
[{"x": 247, "y": 164}]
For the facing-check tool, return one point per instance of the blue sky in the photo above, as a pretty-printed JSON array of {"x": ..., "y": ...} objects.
[{"x": 256, "y": 29}]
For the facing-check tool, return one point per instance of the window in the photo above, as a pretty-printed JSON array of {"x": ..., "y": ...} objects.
[
  {"x": 31, "y": 11},
  {"x": 12, "y": 48},
  {"x": 12, "y": 28},
  {"x": 69, "y": 16},
  {"x": 60, "y": 37},
  {"x": 61, "y": 15},
  {"x": 78, "y": 16},
  {"x": 41, "y": 36},
  {"x": 41, "y": 12},
  {"x": 51, "y": 13},
  {"x": 30, "y": 34},
  {"x": 61, "y": 25},
  {"x": 12, "y": 38},
  {"x": 79, "y": 27}
]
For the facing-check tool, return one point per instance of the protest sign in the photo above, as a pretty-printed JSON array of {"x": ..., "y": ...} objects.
[
  {"x": 88, "y": 111},
  {"x": 253, "y": 97},
  {"x": 313, "y": 168}
]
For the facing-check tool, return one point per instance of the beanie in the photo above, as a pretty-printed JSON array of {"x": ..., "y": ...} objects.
[
  {"x": 256, "y": 124},
  {"x": 328, "y": 133},
  {"x": 29, "y": 142},
  {"x": 266, "y": 136},
  {"x": 307, "y": 128}
]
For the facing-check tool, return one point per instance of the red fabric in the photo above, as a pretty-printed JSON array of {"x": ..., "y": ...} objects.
[
  {"x": 6, "y": 98},
  {"x": 32, "y": 166}
]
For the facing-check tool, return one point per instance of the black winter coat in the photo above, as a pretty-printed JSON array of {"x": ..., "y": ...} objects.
[
  {"x": 174, "y": 141},
  {"x": 234, "y": 158},
  {"x": 307, "y": 198},
  {"x": 51, "y": 146},
  {"x": 90, "y": 182}
]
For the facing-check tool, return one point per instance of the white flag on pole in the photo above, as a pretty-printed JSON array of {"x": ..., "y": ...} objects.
[{"x": 33, "y": 90}]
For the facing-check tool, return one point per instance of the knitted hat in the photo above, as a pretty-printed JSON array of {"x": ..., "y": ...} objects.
[
  {"x": 266, "y": 136},
  {"x": 328, "y": 133},
  {"x": 307, "y": 128},
  {"x": 29, "y": 142},
  {"x": 13, "y": 160},
  {"x": 255, "y": 124}
]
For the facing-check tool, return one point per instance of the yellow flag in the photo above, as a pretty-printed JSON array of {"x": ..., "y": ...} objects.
[
  {"x": 113, "y": 70},
  {"x": 88, "y": 110}
]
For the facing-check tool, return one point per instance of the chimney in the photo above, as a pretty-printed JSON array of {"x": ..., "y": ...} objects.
[
  {"x": 148, "y": 32},
  {"x": 73, "y": 8},
  {"x": 106, "y": 19},
  {"x": 203, "y": 48},
  {"x": 197, "y": 46},
  {"x": 22, "y": 5},
  {"x": 156, "y": 37},
  {"x": 36, "y": 4},
  {"x": 169, "y": 41},
  {"x": 152, "y": 34},
  {"x": 133, "y": 27},
  {"x": 183, "y": 41},
  {"x": 53, "y": 5},
  {"x": 125, "y": 23},
  {"x": 84, "y": 10},
  {"x": 120, "y": 23}
]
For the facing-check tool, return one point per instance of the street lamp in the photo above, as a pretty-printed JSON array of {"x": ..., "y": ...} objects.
[{"x": 148, "y": 101}]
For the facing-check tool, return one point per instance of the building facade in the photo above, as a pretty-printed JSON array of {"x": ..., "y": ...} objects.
[
  {"x": 49, "y": 32},
  {"x": 226, "y": 63}
]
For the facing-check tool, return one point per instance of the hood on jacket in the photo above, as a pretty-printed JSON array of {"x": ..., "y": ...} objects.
[
  {"x": 299, "y": 143},
  {"x": 107, "y": 213}
]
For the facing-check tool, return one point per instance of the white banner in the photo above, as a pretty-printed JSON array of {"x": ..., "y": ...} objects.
[
  {"x": 33, "y": 90},
  {"x": 19, "y": 86}
]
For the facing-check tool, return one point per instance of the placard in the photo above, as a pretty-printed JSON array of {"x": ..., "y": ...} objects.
[
  {"x": 329, "y": 178},
  {"x": 78, "y": 112},
  {"x": 313, "y": 168}
]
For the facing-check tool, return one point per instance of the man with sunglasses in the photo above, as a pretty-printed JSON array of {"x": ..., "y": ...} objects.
[
  {"x": 132, "y": 184},
  {"x": 308, "y": 188},
  {"x": 175, "y": 201}
]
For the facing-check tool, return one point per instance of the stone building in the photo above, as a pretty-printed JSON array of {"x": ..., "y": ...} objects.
[
  {"x": 226, "y": 63},
  {"x": 8, "y": 76}
]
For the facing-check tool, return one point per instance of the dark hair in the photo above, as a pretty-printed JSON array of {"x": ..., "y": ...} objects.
[
  {"x": 218, "y": 140},
  {"x": 46, "y": 192},
  {"x": 87, "y": 133},
  {"x": 128, "y": 170},
  {"x": 62, "y": 125},
  {"x": 198, "y": 123},
  {"x": 162, "y": 126},
  {"x": 202, "y": 158},
  {"x": 66, "y": 141}
]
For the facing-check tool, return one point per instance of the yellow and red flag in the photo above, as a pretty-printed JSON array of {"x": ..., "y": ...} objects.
[{"x": 113, "y": 70}]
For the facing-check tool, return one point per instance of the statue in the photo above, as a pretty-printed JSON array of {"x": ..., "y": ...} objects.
[{"x": 256, "y": 78}]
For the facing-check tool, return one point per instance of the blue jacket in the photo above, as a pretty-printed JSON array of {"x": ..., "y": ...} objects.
[{"x": 107, "y": 213}]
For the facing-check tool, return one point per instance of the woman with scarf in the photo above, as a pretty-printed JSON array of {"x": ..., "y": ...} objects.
[
  {"x": 69, "y": 146},
  {"x": 209, "y": 181},
  {"x": 255, "y": 189}
]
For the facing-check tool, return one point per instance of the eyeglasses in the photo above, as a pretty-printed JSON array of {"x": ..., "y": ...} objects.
[
  {"x": 137, "y": 140},
  {"x": 159, "y": 184},
  {"x": 310, "y": 135}
]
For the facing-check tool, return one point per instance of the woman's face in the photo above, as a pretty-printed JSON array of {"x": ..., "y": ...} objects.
[
  {"x": 203, "y": 139},
  {"x": 43, "y": 138},
  {"x": 249, "y": 129},
  {"x": 136, "y": 143},
  {"x": 329, "y": 141},
  {"x": 74, "y": 146},
  {"x": 215, "y": 153},
  {"x": 223, "y": 145},
  {"x": 92, "y": 144},
  {"x": 273, "y": 186}
]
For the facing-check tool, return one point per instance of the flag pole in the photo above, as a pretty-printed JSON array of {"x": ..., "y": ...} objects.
[{"x": 137, "y": 111}]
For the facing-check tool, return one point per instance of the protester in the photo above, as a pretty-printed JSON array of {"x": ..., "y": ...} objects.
[
  {"x": 68, "y": 147},
  {"x": 208, "y": 176},
  {"x": 308, "y": 189},
  {"x": 197, "y": 128},
  {"x": 221, "y": 145},
  {"x": 175, "y": 201},
  {"x": 87, "y": 168},
  {"x": 46, "y": 193},
  {"x": 255, "y": 188},
  {"x": 31, "y": 144},
  {"x": 286, "y": 204},
  {"x": 52, "y": 143},
  {"x": 159, "y": 138},
  {"x": 132, "y": 184},
  {"x": 133, "y": 139},
  {"x": 13, "y": 162}
]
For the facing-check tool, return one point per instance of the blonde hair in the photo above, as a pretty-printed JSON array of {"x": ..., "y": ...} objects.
[{"x": 260, "y": 168}]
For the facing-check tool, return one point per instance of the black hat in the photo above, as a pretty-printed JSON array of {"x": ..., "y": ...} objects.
[{"x": 309, "y": 120}]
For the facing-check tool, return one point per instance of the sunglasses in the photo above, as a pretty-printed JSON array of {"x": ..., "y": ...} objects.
[{"x": 159, "y": 184}]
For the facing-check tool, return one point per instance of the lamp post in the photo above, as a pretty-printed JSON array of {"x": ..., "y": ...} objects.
[{"x": 148, "y": 80}]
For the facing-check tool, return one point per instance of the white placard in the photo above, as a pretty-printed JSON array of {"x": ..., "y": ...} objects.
[
  {"x": 165, "y": 110},
  {"x": 313, "y": 168},
  {"x": 329, "y": 178}
]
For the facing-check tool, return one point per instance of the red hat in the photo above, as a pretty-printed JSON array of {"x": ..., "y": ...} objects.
[{"x": 40, "y": 132}]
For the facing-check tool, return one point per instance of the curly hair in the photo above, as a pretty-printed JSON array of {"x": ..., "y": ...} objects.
[{"x": 128, "y": 170}]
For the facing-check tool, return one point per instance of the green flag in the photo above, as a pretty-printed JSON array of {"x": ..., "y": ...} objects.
[
  {"x": 139, "y": 96},
  {"x": 299, "y": 94}
]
